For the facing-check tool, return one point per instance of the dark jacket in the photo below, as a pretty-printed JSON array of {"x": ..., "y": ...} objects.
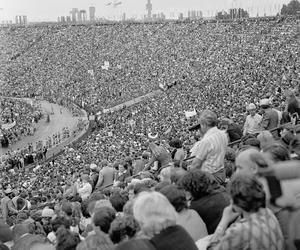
[
  {"x": 210, "y": 208},
  {"x": 175, "y": 238}
]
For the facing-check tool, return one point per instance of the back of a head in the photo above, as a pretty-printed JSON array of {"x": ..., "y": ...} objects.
[
  {"x": 123, "y": 227},
  {"x": 199, "y": 183},
  {"x": 103, "y": 218},
  {"x": 66, "y": 239},
  {"x": 277, "y": 151},
  {"x": 245, "y": 160},
  {"x": 154, "y": 212},
  {"x": 136, "y": 244},
  {"x": 175, "y": 196},
  {"x": 99, "y": 241},
  {"x": 209, "y": 118},
  {"x": 118, "y": 200},
  {"x": 247, "y": 192}
]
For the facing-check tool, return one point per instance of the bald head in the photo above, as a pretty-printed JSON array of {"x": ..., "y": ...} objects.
[{"x": 244, "y": 160}]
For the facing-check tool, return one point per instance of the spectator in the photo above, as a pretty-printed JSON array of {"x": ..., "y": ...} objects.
[
  {"x": 187, "y": 218},
  {"x": 157, "y": 218},
  {"x": 249, "y": 202},
  {"x": 210, "y": 152},
  {"x": 206, "y": 197}
]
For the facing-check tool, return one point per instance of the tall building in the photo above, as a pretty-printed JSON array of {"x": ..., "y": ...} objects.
[
  {"x": 83, "y": 16},
  {"x": 149, "y": 8},
  {"x": 21, "y": 20},
  {"x": 68, "y": 19},
  {"x": 62, "y": 19},
  {"x": 74, "y": 13},
  {"x": 25, "y": 20},
  {"x": 92, "y": 11}
]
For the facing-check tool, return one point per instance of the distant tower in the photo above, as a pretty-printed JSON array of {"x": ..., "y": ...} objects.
[
  {"x": 92, "y": 13},
  {"x": 149, "y": 9},
  {"x": 73, "y": 13},
  {"x": 82, "y": 16}
]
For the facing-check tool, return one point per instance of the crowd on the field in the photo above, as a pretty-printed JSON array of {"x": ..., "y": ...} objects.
[{"x": 127, "y": 185}]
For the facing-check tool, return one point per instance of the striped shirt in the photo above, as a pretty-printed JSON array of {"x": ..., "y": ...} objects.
[
  {"x": 260, "y": 231},
  {"x": 211, "y": 150}
]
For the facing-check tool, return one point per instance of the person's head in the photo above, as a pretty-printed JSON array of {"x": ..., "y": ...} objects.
[
  {"x": 98, "y": 241},
  {"x": 66, "y": 239},
  {"x": 176, "y": 143},
  {"x": 250, "y": 160},
  {"x": 85, "y": 178},
  {"x": 276, "y": 152},
  {"x": 154, "y": 212},
  {"x": 122, "y": 167},
  {"x": 252, "y": 109},
  {"x": 247, "y": 193},
  {"x": 123, "y": 228},
  {"x": 176, "y": 197},
  {"x": 198, "y": 183},
  {"x": 165, "y": 174},
  {"x": 207, "y": 120},
  {"x": 265, "y": 138},
  {"x": 103, "y": 218},
  {"x": 59, "y": 221},
  {"x": 118, "y": 200}
]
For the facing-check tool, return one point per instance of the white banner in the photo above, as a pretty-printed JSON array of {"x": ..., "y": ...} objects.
[
  {"x": 8, "y": 126},
  {"x": 189, "y": 114}
]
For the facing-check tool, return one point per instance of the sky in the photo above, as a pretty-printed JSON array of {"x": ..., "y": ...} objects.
[{"x": 49, "y": 10}]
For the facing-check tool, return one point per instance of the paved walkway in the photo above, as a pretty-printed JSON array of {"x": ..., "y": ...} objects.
[{"x": 62, "y": 118}]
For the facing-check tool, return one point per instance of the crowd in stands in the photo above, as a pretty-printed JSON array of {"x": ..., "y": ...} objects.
[
  {"x": 127, "y": 185},
  {"x": 19, "y": 117}
]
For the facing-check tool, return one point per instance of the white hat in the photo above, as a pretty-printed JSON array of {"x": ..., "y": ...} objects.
[
  {"x": 251, "y": 106},
  {"x": 264, "y": 102},
  {"x": 93, "y": 166}
]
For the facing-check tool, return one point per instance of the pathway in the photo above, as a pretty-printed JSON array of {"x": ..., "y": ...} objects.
[{"x": 62, "y": 118}]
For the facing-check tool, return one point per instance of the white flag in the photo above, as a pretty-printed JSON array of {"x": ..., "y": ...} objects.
[{"x": 189, "y": 114}]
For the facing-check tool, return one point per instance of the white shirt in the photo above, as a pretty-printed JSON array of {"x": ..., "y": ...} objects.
[
  {"x": 85, "y": 190},
  {"x": 211, "y": 150},
  {"x": 252, "y": 124}
]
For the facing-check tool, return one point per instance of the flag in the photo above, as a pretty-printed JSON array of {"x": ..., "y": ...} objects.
[
  {"x": 8, "y": 126},
  {"x": 189, "y": 114}
]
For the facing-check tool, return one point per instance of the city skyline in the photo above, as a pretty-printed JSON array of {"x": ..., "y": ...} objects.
[{"x": 49, "y": 10}]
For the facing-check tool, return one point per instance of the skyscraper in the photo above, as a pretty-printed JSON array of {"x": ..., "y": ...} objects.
[
  {"x": 92, "y": 11},
  {"x": 149, "y": 8},
  {"x": 73, "y": 13},
  {"x": 83, "y": 15}
]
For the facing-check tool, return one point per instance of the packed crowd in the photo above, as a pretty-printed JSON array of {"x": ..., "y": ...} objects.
[
  {"x": 18, "y": 118},
  {"x": 126, "y": 186}
]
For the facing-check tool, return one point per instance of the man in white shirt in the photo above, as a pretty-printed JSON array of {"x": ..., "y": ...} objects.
[
  {"x": 84, "y": 189},
  {"x": 252, "y": 125},
  {"x": 210, "y": 151}
]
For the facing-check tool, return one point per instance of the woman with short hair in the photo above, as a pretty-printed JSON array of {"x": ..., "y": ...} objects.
[{"x": 158, "y": 218}]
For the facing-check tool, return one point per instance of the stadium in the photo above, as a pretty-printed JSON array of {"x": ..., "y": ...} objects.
[{"x": 154, "y": 134}]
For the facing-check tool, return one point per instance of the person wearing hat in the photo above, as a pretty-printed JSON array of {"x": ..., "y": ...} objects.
[
  {"x": 211, "y": 150},
  {"x": 253, "y": 121},
  {"x": 270, "y": 118}
]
